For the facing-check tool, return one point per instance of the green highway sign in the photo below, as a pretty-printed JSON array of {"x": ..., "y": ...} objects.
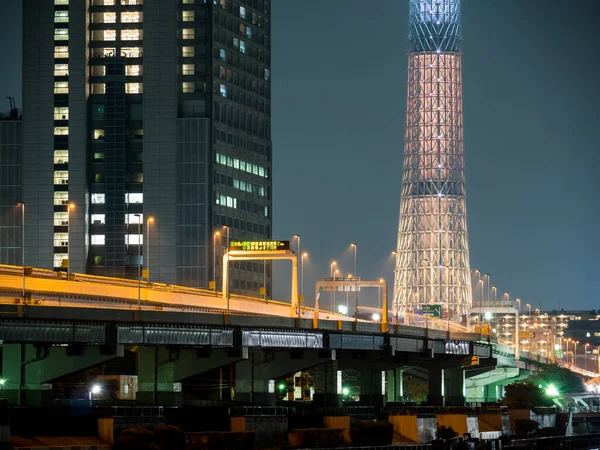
[{"x": 432, "y": 310}]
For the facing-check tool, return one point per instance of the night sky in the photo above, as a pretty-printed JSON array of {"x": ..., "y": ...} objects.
[{"x": 532, "y": 132}]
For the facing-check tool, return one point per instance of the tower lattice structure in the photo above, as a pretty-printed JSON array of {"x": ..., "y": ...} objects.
[{"x": 432, "y": 259}]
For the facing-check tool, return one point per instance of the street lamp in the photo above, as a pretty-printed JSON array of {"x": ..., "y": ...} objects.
[
  {"x": 353, "y": 244},
  {"x": 228, "y": 272},
  {"x": 147, "y": 251},
  {"x": 478, "y": 272},
  {"x": 69, "y": 208},
  {"x": 216, "y": 234},
  {"x": 22, "y": 205},
  {"x": 139, "y": 224},
  {"x": 298, "y": 255},
  {"x": 495, "y": 292},
  {"x": 304, "y": 255},
  {"x": 585, "y": 354},
  {"x": 487, "y": 275}
]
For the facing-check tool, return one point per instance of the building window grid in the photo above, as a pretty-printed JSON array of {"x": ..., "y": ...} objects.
[{"x": 242, "y": 165}]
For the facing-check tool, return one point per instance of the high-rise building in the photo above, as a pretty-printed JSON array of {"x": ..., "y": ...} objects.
[
  {"x": 432, "y": 259},
  {"x": 139, "y": 109},
  {"x": 10, "y": 189}
]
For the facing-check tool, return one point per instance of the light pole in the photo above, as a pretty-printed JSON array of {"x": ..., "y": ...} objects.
[
  {"x": 139, "y": 221},
  {"x": 575, "y": 354},
  {"x": 298, "y": 255},
  {"x": 228, "y": 271},
  {"x": 331, "y": 266},
  {"x": 22, "y": 205},
  {"x": 487, "y": 294},
  {"x": 216, "y": 234},
  {"x": 147, "y": 246},
  {"x": 495, "y": 292},
  {"x": 335, "y": 272},
  {"x": 304, "y": 255},
  {"x": 518, "y": 331},
  {"x": 585, "y": 355},
  {"x": 355, "y": 282},
  {"x": 69, "y": 208},
  {"x": 478, "y": 272}
]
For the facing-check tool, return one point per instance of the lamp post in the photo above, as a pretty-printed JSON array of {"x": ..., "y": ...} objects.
[
  {"x": 518, "y": 331},
  {"x": 298, "y": 255},
  {"x": 331, "y": 266},
  {"x": 355, "y": 282},
  {"x": 139, "y": 222},
  {"x": 228, "y": 271},
  {"x": 478, "y": 272},
  {"x": 22, "y": 205},
  {"x": 69, "y": 208},
  {"x": 575, "y": 354},
  {"x": 585, "y": 355},
  {"x": 487, "y": 292},
  {"x": 216, "y": 234},
  {"x": 147, "y": 248},
  {"x": 335, "y": 272},
  {"x": 304, "y": 255}
]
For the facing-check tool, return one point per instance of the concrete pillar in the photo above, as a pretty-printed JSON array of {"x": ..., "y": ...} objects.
[
  {"x": 395, "y": 386},
  {"x": 446, "y": 387},
  {"x": 327, "y": 385},
  {"x": 161, "y": 370},
  {"x": 250, "y": 387},
  {"x": 372, "y": 385},
  {"x": 29, "y": 370}
]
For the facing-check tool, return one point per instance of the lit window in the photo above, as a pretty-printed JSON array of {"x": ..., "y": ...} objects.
[
  {"x": 61, "y": 2},
  {"x": 132, "y": 2},
  {"x": 61, "y": 70},
  {"x": 109, "y": 17},
  {"x": 103, "y": 52},
  {"x": 61, "y": 34},
  {"x": 131, "y": 35},
  {"x": 133, "y": 71},
  {"x": 131, "y": 17},
  {"x": 61, "y": 198},
  {"x": 134, "y": 88},
  {"x": 98, "y": 71},
  {"x": 188, "y": 51},
  {"x": 187, "y": 16},
  {"x": 242, "y": 12},
  {"x": 61, "y": 16},
  {"x": 267, "y": 75},
  {"x": 98, "y": 199},
  {"x": 61, "y": 219},
  {"x": 61, "y": 113},
  {"x": 249, "y": 32},
  {"x": 61, "y": 156},
  {"x": 98, "y": 219},
  {"x": 61, "y": 87},
  {"x": 61, "y": 177},
  {"x": 134, "y": 219},
  {"x": 134, "y": 198},
  {"x": 61, "y": 131},
  {"x": 187, "y": 86},
  {"x": 187, "y": 2},
  {"x": 98, "y": 239},
  {"x": 236, "y": 42},
  {"x": 188, "y": 69},
  {"x": 61, "y": 239},
  {"x": 131, "y": 52},
  {"x": 266, "y": 211},
  {"x": 223, "y": 90},
  {"x": 98, "y": 88},
  {"x": 61, "y": 52},
  {"x": 98, "y": 134},
  {"x": 242, "y": 47},
  {"x": 187, "y": 33},
  {"x": 59, "y": 258},
  {"x": 222, "y": 55},
  {"x": 134, "y": 239}
]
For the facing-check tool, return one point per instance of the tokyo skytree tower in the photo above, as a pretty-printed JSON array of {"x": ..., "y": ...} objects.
[{"x": 432, "y": 259}]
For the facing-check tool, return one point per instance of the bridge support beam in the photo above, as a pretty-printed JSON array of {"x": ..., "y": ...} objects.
[
  {"x": 253, "y": 376},
  {"x": 395, "y": 385},
  {"x": 161, "y": 370},
  {"x": 28, "y": 370},
  {"x": 488, "y": 386},
  {"x": 372, "y": 386},
  {"x": 446, "y": 386}
]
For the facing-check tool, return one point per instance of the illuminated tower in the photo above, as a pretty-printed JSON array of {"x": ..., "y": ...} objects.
[{"x": 432, "y": 265}]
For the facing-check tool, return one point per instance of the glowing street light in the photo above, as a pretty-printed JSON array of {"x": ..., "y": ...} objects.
[
  {"x": 376, "y": 317},
  {"x": 22, "y": 205},
  {"x": 69, "y": 208},
  {"x": 216, "y": 234},
  {"x": 304, "y": 255},
  {"x": 552, "y": 391},
  {"x": 147, "y": 250}
]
